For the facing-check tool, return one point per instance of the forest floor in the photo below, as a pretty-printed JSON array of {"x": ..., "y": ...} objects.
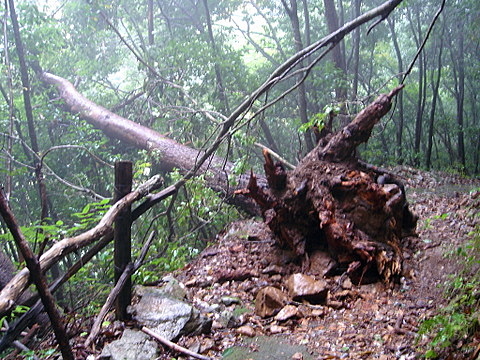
[{"x": 359, "y": 322}]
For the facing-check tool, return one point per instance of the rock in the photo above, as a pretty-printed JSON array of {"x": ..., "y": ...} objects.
[
  {"x": 167, "y": 316},
  {"x": 246, "y": 330},
  {"x": 276, "y": 278},
  {"x": 297, "y": 356},
  {"x": 207, "y": 345},
  {"x": 347, "y": 284},
  {"x": 286, "y": 313},
  {"x": 133, "y": 344},
  {"x": 277, "y": 329},
  {"x": 174, "y": 288},
  {"x": 304, "y": 287},
  {"x": 273, "y": 270},
  {"x": 227, "y": 319},
  {"x": 321, "y": 263},
  {"x": 269, "y": 300},
  {"x": 230, "y": 300}
]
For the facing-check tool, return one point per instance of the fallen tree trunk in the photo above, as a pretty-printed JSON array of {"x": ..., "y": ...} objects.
[
  {"x": 172, "y": 154},
  {"x": 333, "y": 203},
  {"x": 190, "y": 160}
]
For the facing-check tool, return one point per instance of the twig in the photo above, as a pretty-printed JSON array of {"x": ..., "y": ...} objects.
[
  {"x": 173, "y": 346},
  {"x": 23, "y": 347},
  {"x": 14, "y": 331},
  {"x": 275, "y": 155},
  {"x": 129, "y": 270},
  {"x": 420, "y": 49}
]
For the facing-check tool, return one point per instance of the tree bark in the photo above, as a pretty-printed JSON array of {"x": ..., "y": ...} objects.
[
  {"x": 218, "y": 72},
  {"x": 460, "y": 95},
  {"x": 356, "y": 213},
  {"x": 172, "y": 154},
  {"x": 292, "y": 12},
  {"x": 26, "y": 89},
  {"x": 400, "y": 121},
  {"x": 338, "y": 55},
  {"x": 417, "y": 35},
  {"x": 435, "y": 87},
  {"x": 189, "y": 160}
]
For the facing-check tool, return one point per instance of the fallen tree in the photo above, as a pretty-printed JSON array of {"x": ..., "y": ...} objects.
[
  {"x": 192, "y": 161},
  {"x": 333, "y": 203},
  {"x": 173, "y": 154}
]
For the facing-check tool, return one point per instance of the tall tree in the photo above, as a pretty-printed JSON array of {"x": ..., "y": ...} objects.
[
  {"x": 292, "y": 12},
  {"x": 400, "y": 116},
  {"x": 435, "y": 84},
  {"x": 337, "y": 53}
]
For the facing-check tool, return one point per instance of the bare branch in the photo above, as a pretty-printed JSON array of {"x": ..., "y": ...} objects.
[
  {"x": 172, "y": 345},
  {"x": 18, "y": 283}
]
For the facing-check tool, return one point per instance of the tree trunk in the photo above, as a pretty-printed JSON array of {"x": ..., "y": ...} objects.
[
  {"x": 332, "y": 203},
  {"x": 172, "y": 154},
  {"x": 435, "y": 87},
  {"x": 292, "y": 12},
  {"x": 356, "y": 52},
  {"x": 151, "y": 38},
  {"x": 417, "y": 34},
  {"x": 218, "y": 73},
  {"x": 337, "y": 53},
  {"x": 400, "y": 121},
  {"x": 189, "y": 160},
  {"x": 460, "y": 97}
]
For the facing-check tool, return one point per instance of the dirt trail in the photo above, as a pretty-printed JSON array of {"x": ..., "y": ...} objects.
[{"x": 364, "y": 322}]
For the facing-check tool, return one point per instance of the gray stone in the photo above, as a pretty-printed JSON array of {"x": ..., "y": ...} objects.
[
  {"x": 167, "y": 316},
  {"x": 133, "y": 344},
  {"x": 174, "y": 288},
  {"x": 230, "y": 300}
]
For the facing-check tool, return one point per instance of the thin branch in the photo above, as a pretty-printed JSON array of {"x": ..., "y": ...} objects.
[
  {"x": 275, "y": 155},
  {"x": 420, "y": 49},
  {"x": 129, "y": 270},
  {"x": 58, "y": 147},
  {"x": 150, "y": 68},
  {"x": 284, "y": 69},
  {"x": 50, "y": 172},
  {"x": 172, "y": 345},
  {"x": 38, "y": 278}
]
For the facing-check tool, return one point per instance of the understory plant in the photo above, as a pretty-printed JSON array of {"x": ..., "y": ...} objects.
[{"x": 456, "y": 326}]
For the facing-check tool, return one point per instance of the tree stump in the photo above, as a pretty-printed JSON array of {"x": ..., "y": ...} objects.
[{"x": 331, "y": 202}]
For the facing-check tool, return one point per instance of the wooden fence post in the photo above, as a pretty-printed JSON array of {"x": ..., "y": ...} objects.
[{"x": 122, "y": 236}]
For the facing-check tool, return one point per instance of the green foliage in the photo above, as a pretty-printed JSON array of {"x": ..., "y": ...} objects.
[
  {"x": 461, "y": 317},
  {"x": 318, "y": 120},
  {"x": 17, "y": 311},
  {"x": 39, "y": 354},
  {"x": 90, "y": 215},
  {"x": 196, "y": 216}
]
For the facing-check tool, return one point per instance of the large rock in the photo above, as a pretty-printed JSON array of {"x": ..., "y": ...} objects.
[
  {"x": 269, "y": 301},
  {"x": 305, "y": 287},
  {"x": 133, "y": 344},
  {"x": 165, "y": 315}
]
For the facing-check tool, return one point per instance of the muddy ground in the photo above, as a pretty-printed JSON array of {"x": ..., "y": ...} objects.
[{"x": 358, "y": 322}]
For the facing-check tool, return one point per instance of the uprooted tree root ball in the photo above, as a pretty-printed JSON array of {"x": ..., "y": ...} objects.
[{"x": 331, "y": 202}]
